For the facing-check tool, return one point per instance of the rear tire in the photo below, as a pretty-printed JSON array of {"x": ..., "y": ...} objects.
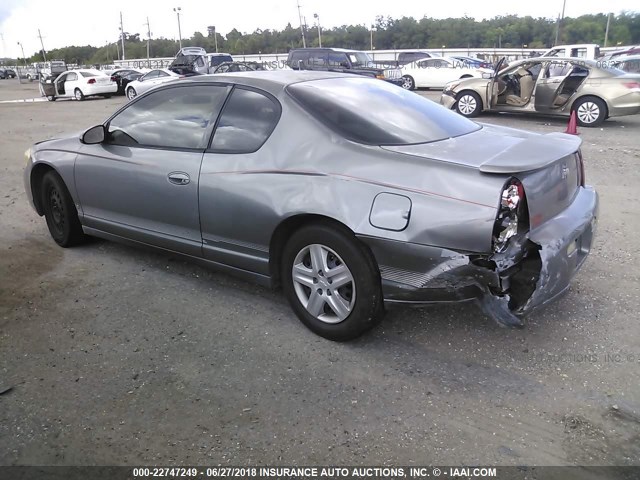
[
  {"x": 60, "y": 211},
  {"x": 77, "y": 93},
  {"x": 590, "y": 111},
  {"x": 468, "y": 104},
  {"x": 336, "y": 291}
]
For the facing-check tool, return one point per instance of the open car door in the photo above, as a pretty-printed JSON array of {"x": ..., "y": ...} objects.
[
  {"x": 492, "y": 94},
  {"x": 553, "y": 77}
]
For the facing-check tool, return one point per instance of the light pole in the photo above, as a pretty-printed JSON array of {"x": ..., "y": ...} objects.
[
  {"x": 304, "y": 41},
  {"x": 215, "y": 38},
  {"x": 178, "y": 10},
  {"x": 24, "y": 59},
  {"x": 122, "y": 35},
  {"x": 317, "y": 17},
  {"x": 373, "y": 28}
]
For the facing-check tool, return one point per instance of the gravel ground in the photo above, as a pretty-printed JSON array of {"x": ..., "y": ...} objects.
[{"x": 117, "y": 355}]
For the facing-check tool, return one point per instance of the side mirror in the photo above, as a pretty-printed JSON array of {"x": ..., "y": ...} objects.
[{"x": 94, "y": 135}]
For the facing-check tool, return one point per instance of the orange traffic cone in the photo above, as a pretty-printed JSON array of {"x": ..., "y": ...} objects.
[{"x": 572, "y": 126}]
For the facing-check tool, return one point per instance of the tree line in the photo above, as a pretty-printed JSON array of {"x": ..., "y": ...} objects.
[{"x": 387, "y": 33}]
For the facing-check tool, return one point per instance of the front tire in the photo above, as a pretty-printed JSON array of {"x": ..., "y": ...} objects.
[
  {"x": 77, "y": 93},
  {"x": 60, "y": 211},
  {"x": 408, "y": 83},
  {"x": 331, "y": 282},
  {"x": 131, "y": 93},
  {"x": 590, "y": 111},
  {"x": 469, "y": 104}
]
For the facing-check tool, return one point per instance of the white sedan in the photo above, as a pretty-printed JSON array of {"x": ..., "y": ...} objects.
[
  {"x": 80, "y": 84},
  {"x": 150, "y": 80},
  {"x": 437, "y": 72}
]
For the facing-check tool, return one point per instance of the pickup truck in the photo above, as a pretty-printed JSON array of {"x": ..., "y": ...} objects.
[{"x": 340, "y": 60}]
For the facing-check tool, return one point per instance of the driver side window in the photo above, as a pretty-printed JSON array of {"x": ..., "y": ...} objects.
[{"x": 175, "y": 118}]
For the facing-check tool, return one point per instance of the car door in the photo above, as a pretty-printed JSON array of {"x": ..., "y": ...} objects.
[
  {"x": 59, "y": 84},
  {"x": 146, "y": 81},
  {"x": 421, "y": 72},
  {"x": 70, "y": 84},
  {"x": 236, "y": 215},
  {"x": 141, "y": 183},
  {"x": 550, "y": 83}
]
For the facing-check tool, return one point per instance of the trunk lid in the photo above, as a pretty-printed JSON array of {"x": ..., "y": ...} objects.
[{"x": 547, "y": 165}]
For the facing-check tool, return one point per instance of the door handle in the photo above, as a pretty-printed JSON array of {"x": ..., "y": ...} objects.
[{"x": 179, "y": 178}]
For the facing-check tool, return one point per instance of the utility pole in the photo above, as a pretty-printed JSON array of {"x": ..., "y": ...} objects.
[
  {"x": 371, "y": 31},
  {"x": 148, "y": 43},
  {"x": 108, "y": 53},
  {"x": 122, "y": 35},
  {"x": 560, "y": 19},
  {"x": 606, "y": 33},
  {"x": 23, "y": 57},
  {"x": 44, "y": 53},
  {"x": 304, "y": 42},
  {"x": 215, "y": 38},
  {"x": 317, "y": 17}
]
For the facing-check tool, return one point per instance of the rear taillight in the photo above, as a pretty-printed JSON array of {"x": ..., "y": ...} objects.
[
  {"x": 512, "y": 215},
  {"x": 582, "y": 179},
  {"x": 113, "y": 79},
  {"x": 91, "y": 81},
  {"x": 632, "y": 85}
]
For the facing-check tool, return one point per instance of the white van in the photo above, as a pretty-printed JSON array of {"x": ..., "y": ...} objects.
[{"x": 589, "y": 51}]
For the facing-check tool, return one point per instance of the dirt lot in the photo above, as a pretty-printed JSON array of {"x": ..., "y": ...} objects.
[{"x": 117, "y": 355}]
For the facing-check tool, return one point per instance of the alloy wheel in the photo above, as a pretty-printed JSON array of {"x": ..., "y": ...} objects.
[
  {"x": 588, "y": 112},
  {"x": 467, "y": 104},
  {"x": 323, "y": 283}
]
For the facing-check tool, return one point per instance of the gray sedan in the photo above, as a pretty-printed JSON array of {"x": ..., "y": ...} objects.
[{"x": 346, "y": 192}]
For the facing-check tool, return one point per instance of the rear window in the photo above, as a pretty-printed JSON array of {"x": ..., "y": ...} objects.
[
  {"x": 89, "y": 74},
  {"x": 375, "y": 112}
]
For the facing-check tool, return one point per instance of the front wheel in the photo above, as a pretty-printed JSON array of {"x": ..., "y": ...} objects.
[
  {"x": 60, "y": 211},
  {"x": 408, "y": 83},
  {"x": 78, "y": 94},
  {"x": 331, "y": 282},
  {"x": 590, "y": 111},
  {"x": 469, "y": 104},
  {"x": 131, "y": 93}
]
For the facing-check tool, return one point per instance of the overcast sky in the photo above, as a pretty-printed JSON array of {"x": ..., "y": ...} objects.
[{"x": 93, "y": 22}]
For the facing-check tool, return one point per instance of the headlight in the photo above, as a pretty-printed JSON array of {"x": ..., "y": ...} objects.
[{"x": 450, "y": 86}]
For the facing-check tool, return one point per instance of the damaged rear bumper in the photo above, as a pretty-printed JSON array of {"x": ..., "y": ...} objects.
[{"x": 536, "y": 268}]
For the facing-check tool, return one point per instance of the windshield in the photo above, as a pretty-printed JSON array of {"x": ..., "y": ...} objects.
[
  {"x": 185, "y": 59},
  {"x": 373, "y": 112},
  {"x": 360, "y": 59}
]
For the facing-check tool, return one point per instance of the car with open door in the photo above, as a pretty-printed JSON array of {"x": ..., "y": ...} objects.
[
  {"x": 345, "y": 191},
  {"x": 123, "y": 77},
  {"x": 437, "y": 72},
  {"x": 150, "y": 80},
  {"x": 80, "y": 84},
  {"x": 549, "y": 86}
]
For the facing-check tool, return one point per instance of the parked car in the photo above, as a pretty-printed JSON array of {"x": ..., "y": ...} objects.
[
  {"x": 195, "y": 60},
  {"x": 8, "y": 73},
  {"x": 437, "y": 72},
  {"x": 123, "y": 77},
  {"x": 230, "y": 67},
  {"x": 472, "y": 62},
  {"x": 589, "y": 51},
  {"x": 379, "y": 195},
  {"x": 340, "y": 60},
  {"x": 403, "y": 59},
  {"x": 3, "y": 74},
  {"x": 621, "y": 53},
  {"x": 149, "y": 80},
  {"x": 551, "y": 86},
  {"x": 80, "y": 84},
  {"x": 629, "y": 64}
]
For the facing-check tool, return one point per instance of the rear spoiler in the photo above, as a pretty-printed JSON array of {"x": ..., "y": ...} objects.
[{"x": 531, "y": 154}]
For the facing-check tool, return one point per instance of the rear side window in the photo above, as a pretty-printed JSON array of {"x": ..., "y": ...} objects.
[
  {"x": 372, "y": 112},
  {"x": 246, "y": 122},
  {"x": 88, "y": 74}
]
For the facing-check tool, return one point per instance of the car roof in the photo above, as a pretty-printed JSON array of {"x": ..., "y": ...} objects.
[{"x": 272, "y": 81}]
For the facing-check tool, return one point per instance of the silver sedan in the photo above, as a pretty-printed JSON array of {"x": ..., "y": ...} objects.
[{"x": 346, "y": 192}]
